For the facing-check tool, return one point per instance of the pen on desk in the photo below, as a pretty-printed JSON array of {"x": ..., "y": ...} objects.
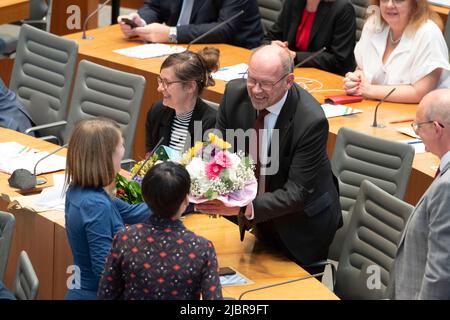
[
  {"x": 414, "y": 142},
  {"x": 401, "y": 121}
]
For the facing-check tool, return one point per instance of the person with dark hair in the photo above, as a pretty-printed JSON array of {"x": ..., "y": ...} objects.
[
  {"x": 181, "y": 21},
  {"x": 92, "y": 214},
  {"x": 161, "y": 259},
  {"x": 183, "y": 76},
  {"x": 13, "y": 114},
  {"x": 306, "y": 26}
]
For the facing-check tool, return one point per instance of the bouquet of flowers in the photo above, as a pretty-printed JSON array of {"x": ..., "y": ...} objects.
[
  {"x": 219, "y": 174},
  {"x": 130, "y": 190}
]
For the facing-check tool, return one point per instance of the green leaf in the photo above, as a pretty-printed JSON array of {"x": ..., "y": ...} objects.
[{"x": 211, "y": 194}]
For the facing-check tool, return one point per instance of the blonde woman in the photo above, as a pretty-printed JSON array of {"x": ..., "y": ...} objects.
[
  {"x": 92, "y": 215},
  {"x": 401, "y": 47}
]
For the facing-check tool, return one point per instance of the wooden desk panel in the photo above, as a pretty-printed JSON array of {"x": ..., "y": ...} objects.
[{"x": 13, "y": 10}]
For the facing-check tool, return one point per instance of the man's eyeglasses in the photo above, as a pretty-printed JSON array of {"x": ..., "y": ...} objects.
[
  {"x": 264, "y": 85},
  {"x": 417, "y": 125},
  {"x": 165, "y": 84}
]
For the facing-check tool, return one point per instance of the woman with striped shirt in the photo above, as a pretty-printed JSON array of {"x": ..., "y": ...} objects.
[{"x": 183, "y": 76}]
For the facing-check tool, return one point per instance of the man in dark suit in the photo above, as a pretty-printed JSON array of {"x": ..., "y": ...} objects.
[
  {"x": 297, "y": 207},
  {"x": 333, "y": 27},
  {"x": 13, "y": 114},
  {"x": 181, "y": 21}
]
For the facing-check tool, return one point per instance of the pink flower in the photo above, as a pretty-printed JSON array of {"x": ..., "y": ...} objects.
[
  {"x": 222, "y": 159},
  {"x": 213, "y": 170}
]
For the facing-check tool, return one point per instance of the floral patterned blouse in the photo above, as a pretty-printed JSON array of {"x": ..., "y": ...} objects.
[{"x": 160, "y": 259}]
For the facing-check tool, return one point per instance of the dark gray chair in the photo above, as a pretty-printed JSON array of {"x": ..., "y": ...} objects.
[
  {"x": 7, "y": 221},
  {"x": 40, "y": 13},
  {"x": 104, "y": 92},
  {"x": 360, "y": 12},
  {"x": 26, "y": 283},
  {"x": 370, "y": 247},
  {"x": 42, "y": 75},
  {"x": 269, "y": 11},
  {"x": 358, "y": 156},
  {"x": 215, "y": 105}
]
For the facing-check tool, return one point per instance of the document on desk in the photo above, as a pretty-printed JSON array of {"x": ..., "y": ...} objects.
[
  {"x": 442, "y": 3},
  {"x": 408, "y": 131},
  {"x": 234, "y": 280},
  {"x": 236, "y": 71},
  {"x": 50, "y": 199},
  {"x": 16, "y": 156},
  {"x": 418, "y": 145},
  {"x": 337, "y": 110},
  {"x": 150, "y": 50}
]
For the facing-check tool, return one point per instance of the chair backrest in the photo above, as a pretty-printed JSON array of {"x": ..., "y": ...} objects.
[
  {"x": 215, "y": 105},
  {"x": 42, "y": 75},
  {"x": 104, "y": 92},
  {"x": 360, "y": 12},
  {"x": 7, "y": 221},
  {"x": 26, "y": 283},
  {"x": 269, "y": 11},
  {"x": 358, "y": 156},
  {"x": 368, "y": 253}
]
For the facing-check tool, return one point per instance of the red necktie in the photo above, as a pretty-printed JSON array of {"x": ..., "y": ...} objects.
[
  {"x": 259, "y": 125},
  {"x": 438, "y": 171}
]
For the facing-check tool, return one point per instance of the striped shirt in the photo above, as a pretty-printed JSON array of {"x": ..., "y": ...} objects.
[{"x": 179, "y": 131}]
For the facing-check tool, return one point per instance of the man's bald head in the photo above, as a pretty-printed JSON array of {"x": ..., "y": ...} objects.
[
  {"x": 275, "y": 56},
  {"x": 436, "y": 106}
]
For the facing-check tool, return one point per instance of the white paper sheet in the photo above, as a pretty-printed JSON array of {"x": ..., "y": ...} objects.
[
  {"x": 150, "y": 50},
  {"x": 236, "y": 71},
  {"x": 16, "y": 156},
  {"x": 337, "y": 110}
]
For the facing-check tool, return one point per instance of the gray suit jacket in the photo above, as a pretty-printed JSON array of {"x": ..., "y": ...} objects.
[{"x": 422, "y": 268}]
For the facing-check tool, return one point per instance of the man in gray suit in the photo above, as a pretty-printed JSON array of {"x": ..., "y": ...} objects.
[{"x": 422, "y": 267}]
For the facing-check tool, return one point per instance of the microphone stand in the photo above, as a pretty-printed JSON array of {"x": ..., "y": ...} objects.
[
  {"x": 148, "y": 158},
  {"x": 42, "y": 181},
  {"x": 84, "y": 37},
  {"x": 315, "y": 54},
  {"x": 375, "y": 124},
  {"x": 281, "y": 283}
]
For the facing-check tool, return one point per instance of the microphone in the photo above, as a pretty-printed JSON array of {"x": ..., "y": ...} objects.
[
  {"x": 281, "y": 283},
  {"x": 315, "y": 54},
  {"x": 23, "y": 179},
  {"x": 89, "y": 17},
  {"x": 220, "y": 25},
  {"x": 375, "y": 124},
  {"x": 149, "y": 155}
]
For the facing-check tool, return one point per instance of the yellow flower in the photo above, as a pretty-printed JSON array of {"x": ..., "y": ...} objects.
[{"x": 222, "y": 144}]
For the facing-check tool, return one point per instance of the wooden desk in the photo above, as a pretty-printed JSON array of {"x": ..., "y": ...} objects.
[
  {"x": 110, "y": 38},
  {"x": 13, "y": 10},
  {"x": 43, "y": 236}
]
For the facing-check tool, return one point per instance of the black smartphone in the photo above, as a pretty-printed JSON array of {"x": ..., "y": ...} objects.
[
  {"x": 130, "y": 22},
  {"x": 226, "y": 271}
]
